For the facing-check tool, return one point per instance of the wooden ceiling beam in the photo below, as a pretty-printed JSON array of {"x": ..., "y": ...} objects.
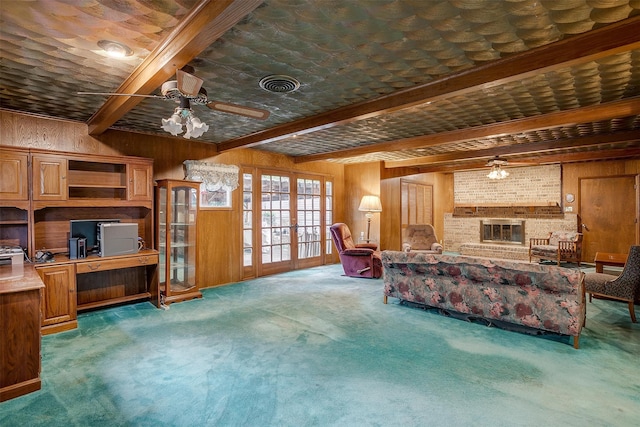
[
  {"x": 611, "y": 39},
  {"x": 611, "y": 154},
  {"x": 594, "y": 113},
  {"x": 535, "y": 148},
  {"x": 204, "y": 24}
]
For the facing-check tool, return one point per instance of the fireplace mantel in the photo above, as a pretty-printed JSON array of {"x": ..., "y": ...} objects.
[
  {"x": 507, "y": 205},
  {"x": 514, "y": 210}
]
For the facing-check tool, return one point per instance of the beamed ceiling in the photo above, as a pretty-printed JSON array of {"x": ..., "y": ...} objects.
[{"x": 423, "y": 85}]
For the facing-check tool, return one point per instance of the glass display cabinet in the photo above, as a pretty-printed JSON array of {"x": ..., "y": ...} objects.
[{"x": 176, "y": 219}]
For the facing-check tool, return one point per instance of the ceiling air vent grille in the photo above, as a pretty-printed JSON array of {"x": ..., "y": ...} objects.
[{"x": 279, "y": 84}]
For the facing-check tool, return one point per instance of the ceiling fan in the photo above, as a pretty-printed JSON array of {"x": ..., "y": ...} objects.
[
  {"x": 496, "y": 165},
  {"x": 185, "y": 90},
  {"x": 497, "y": 160}
]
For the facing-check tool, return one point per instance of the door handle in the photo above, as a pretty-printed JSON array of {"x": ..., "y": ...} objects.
[
  {"x": 294, "y": 227},
  {"x": 584, "y": 227}
]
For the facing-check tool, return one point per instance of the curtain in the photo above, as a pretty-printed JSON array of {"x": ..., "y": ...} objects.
[{"x": 213, "y": 176}]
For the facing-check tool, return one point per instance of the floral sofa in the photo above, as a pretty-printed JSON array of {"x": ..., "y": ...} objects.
[{"x": 545, "y": 297}]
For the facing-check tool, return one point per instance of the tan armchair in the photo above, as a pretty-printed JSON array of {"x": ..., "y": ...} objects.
[
  {"x": 422, "y": 238},
  {"x": 560, "y": 246}
]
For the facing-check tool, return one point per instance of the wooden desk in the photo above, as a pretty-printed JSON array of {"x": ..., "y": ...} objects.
[
  {"x": 117, "y": 279},
  {"x": 606, "y": 258},
  {"x": 20, "y": 337},
  {"x": 73, "y": 285}
]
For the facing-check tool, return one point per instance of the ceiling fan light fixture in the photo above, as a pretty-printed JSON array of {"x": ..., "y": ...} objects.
[
  {"x": 497, "y": 173},
  {"x": 173, "y": 124},
  {"x": 115, "y": 49},
  {"x": 195, "y": 127}
]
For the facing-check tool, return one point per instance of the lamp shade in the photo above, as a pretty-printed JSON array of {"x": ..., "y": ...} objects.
[{"x": 370, "y": 204}]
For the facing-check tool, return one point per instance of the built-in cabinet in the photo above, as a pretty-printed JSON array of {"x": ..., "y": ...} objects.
[
  {"x": 41, "y": 191},
  {"x": 20, "y": 338},
  {"x": 140, "y": 180},
  {"x": 14, "y": 198},
  {"x": 13, "y": 174},
  {"x": 58, "y": 303},
  {"x": 49, "y": 177},
  {"x": 177, "y": 212}
]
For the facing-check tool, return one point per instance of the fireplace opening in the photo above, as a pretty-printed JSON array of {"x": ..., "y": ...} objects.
[{"x": 503, "y": 231}]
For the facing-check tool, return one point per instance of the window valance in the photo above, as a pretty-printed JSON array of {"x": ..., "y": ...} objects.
[{"x": 213, "y": 176}]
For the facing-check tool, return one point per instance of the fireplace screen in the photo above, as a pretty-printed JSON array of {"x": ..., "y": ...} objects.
[{"x": 505, "y": 231}]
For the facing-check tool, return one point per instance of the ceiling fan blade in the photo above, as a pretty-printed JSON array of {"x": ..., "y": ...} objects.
[
  {"x": 119, "y": 94},
  {"x": 188, "y": 84},
  {"x": 253, "y": 113}
]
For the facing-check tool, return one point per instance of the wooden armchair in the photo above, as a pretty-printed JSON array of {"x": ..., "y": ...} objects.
[{"x": 558, "y": 246}]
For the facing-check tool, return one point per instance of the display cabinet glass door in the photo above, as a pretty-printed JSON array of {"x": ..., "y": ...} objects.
[{"x": 177, "y": 217}]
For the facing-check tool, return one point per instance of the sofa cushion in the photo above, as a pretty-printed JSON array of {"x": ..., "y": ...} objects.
[
  {"x": 547, "y": 250},
  {"x": 558, "y": 236}
]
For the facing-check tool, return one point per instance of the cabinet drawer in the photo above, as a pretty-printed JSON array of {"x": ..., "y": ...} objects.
[{"x": 113, "y": 264}]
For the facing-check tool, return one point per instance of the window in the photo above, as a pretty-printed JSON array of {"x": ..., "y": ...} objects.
[{"x": 218, "y": 181}]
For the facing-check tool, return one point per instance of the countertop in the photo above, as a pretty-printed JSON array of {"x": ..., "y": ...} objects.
[{"x": 19, "y": 278}]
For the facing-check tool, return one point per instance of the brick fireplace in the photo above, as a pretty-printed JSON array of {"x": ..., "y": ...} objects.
[
  {"x": 525, "y": 205},
  {"x": 502, "y": 231}
]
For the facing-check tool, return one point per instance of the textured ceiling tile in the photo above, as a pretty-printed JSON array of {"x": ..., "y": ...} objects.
[{"x": 341, "y": 52}]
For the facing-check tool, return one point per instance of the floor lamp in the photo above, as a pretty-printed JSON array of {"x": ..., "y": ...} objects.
[{"x": 370, "y": 205}]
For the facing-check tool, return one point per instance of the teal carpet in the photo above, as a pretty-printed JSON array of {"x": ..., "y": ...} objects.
[{"x": 314, "y": 348}]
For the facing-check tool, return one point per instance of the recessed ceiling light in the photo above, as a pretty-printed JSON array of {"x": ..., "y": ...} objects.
[{"x": 115, "y": 49}]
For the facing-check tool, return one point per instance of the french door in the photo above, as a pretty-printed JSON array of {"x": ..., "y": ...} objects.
[{"x": 286, "y": 227}]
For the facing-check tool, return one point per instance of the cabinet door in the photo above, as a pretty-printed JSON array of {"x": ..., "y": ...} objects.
[
  {"x": 140, "y": 180},
  {"x": 59, "y": 296},
  {"x": 13, "y": 175},
  {"x": 49, "y": 178}
]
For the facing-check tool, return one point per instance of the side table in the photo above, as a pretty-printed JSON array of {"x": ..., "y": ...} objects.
[
  {"x": 606, "y": 258},
  {"x": 369, "y": 244}
]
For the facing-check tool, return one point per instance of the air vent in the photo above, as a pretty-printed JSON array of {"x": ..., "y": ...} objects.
[{"x": 279, "y": 84}]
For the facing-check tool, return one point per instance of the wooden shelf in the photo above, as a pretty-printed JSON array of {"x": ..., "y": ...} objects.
[{"x": 97, "y": 186}]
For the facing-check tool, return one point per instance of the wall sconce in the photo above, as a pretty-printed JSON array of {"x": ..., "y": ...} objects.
[{"x": 370, "y": 205}]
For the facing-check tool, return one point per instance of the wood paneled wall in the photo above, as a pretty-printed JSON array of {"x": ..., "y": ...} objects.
[
  {"x": 391, "y": 193},
  {"x": 219, "y": 235},
  {"x": 219, "y": 231},
  {"x": 362, "y": 179}
]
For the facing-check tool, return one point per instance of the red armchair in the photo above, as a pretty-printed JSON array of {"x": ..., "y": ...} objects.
[{"x": 357, "y": 260}]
